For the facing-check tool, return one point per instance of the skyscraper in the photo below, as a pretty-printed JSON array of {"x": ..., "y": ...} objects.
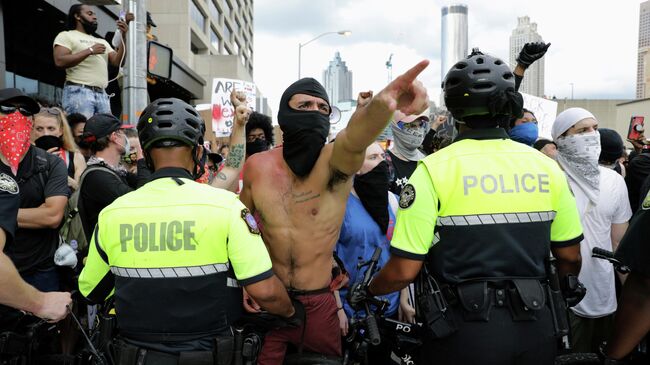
[
  {"x": 643, "y": 60},
  {"x": 526, "y": 32},
  {"x": 454, "y": 36},
  {"x": 337, "y": 80}
]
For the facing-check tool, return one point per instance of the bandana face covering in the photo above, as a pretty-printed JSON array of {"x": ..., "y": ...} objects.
[
  {"x": 304, "y": 132},
  {"x": 407, "y": 141},
  {"x": 372, "y": 189},
  {"x": 15, "y": 130},
  {"x": 578, "y": 156},
  {"x": 525, "y": 133},
  {"x": 258, "y": 145}
]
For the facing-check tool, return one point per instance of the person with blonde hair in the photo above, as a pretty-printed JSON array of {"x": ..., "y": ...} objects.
[{"x": 52, "y": 133}]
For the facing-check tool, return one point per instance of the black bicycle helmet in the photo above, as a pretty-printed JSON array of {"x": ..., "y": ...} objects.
[
  {"x": 170, "y": 120},
  {"x": 478, "y": 85}
]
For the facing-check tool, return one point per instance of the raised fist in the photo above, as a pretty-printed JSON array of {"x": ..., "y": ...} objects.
[
  {"x": 531, "y": 52},
  {"x": 242, "y": 112}
]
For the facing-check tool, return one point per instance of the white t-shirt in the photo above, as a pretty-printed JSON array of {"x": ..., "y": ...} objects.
[{"x": 596, "y": 274}]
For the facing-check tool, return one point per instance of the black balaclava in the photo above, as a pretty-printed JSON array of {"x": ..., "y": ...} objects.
[
  {"x": 304, "y": 132},
  {"x": 372, "y": 189},
  {"x": 258, "y": 145}
]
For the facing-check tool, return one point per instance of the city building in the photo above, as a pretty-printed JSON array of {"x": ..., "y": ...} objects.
[
  {"x": 526, "y": 32},
  {"x": 26, "y": 61},
  {"x": 337, "y": 80},
  {"x": 214, "y": 37},
  {"x": 454, "y": 37},
  {"x": 643, "y": 59}
]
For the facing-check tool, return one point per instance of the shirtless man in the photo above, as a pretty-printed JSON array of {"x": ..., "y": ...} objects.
[{"x": 298, "y": 193}]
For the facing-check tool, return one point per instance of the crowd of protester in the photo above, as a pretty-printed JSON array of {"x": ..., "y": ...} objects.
[{"x": 68, "y": 162}]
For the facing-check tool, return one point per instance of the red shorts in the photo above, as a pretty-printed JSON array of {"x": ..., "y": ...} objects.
[{"x": 321, "y": 335}]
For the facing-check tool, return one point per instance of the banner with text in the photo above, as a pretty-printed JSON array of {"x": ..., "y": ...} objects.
[
  {"x": 222, "y": 109},
  {"x": 545, "y": 111}
]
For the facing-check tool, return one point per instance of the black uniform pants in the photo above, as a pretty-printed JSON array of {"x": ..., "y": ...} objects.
[{"x": 501, "y": 341}]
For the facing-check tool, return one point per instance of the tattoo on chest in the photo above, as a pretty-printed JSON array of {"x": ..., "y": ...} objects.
[
  {"x": 235, "y": 157},
  {"x": 221, "y": 176},
  {"x": 304, "y": 197}
]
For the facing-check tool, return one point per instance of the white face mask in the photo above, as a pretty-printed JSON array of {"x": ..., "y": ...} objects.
[
  {"x": 578, "y": 155},
  {"x": 126, "y": 146}
]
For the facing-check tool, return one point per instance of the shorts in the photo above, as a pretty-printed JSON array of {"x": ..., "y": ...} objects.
[
  {"x": 79, "y": 99},
  {"x": 319, "y": 334}
]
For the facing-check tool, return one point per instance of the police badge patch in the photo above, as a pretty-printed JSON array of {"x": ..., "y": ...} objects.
[
  {"x": 407, "y": 196},
  {"x": 250, "y": 221},
  {"x": 8, "y": 184}
]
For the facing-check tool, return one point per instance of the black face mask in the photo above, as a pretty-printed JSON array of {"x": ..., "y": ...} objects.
[
  {"x": 372, "y": 189},
  {"x": 89, "y": 27},
  {"x": 304, "y": 132},
  {"x": 258, "y": 145}
]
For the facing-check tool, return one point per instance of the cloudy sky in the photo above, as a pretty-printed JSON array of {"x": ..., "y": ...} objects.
[{"x": 594, "y": 42}]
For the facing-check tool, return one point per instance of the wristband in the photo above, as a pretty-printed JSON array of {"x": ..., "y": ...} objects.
[
  {"x": 339, "y": 308},
  {"x": 91, "y": 50}
]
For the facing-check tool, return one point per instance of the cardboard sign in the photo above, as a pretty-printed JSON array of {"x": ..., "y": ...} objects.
[
  {"x": 222, "y": 109},
  {"x": 545, "y": 111}
]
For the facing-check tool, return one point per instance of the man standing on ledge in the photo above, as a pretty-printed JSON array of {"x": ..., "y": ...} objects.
[
  {"x": 85, "y": 58},
  {"x": 298, "y": 193}
]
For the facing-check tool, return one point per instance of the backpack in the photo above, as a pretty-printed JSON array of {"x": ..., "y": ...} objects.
[{"x": 72, "y": 230}]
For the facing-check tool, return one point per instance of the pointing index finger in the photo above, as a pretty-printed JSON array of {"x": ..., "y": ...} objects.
[{"x": 413, "y": 73}]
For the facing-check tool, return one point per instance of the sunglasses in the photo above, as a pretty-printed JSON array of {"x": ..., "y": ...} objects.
[
  {"x": 9, "y": 109},
  {"x": 51, "y": 111},
  {"x": 418, "y": 123}
]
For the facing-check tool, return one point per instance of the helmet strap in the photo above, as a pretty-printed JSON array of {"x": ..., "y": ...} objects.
[{"x": 199, "y": 168}]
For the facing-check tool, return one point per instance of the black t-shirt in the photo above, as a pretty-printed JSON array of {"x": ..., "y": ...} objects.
[
  {"x": 99, "y": 189},
  {"x": 9, "y": 204},
  {"x": 637, "y": 171},
  {"x": 33, "y": 249},
  {"x": 634, "y": 249},
  {"x": 400, "y": 172}
]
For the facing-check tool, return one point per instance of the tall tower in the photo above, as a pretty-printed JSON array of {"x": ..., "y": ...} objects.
[
  {"x": 643, "y": 60},
  {"x": 454, "y": 36},
  {"x": 337, "y": 80},
  {"x": 526, "y": 32}
]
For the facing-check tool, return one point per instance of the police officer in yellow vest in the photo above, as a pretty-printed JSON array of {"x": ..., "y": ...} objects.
[
  {"x": 483, "y": 215},
  {"x": 167, "y": 247}
]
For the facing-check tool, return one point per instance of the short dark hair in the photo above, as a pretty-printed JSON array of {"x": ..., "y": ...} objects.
[
  {"x": 524, "y": 110},
  {"x": 76, "y": 118},
  {"x": 74, "y": 10},
  {"x": 258, "y": 120},
  {"x": 223, "y": 146},
  {"x": 99, "y": 144}
]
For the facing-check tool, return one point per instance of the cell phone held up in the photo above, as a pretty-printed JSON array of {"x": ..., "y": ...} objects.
[{"x": 635, "y": 131}]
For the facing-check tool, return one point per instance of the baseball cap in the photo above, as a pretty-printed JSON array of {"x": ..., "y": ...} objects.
[
  {"x": 399, "y": 116},
  {"x": 17, "y": 96},
  {"x": 99, "y": 126}
]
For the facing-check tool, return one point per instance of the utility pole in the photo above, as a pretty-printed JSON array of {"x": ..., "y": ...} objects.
[{"x": 134, "y": 93}]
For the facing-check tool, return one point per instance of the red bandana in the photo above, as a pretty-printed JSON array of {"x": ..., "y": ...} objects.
[{"x": 15, "y": 130}]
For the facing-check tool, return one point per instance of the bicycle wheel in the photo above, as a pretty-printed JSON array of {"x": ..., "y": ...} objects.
[{"x": 585, "y": 358}]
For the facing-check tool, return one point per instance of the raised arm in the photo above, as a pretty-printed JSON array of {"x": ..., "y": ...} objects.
[
  {"x": 404, "y": 93},
  {"x": 115, "y": 57},
  {"x": 229, "y": 174}
]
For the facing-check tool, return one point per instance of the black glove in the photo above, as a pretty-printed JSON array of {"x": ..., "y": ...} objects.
[
  {"x": 531, "y": 52},
  {"x": 298, "y": 317},
  {"x": 357, "y": 296},
  {"x": 573, "y": 290}
]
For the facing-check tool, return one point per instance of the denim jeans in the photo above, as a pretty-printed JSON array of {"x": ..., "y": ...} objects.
[{"x": 79, "y": 99}]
